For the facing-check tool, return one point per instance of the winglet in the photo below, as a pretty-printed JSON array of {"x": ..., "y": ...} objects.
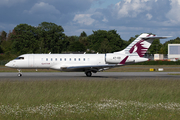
[{"x": 124, "y": 60}]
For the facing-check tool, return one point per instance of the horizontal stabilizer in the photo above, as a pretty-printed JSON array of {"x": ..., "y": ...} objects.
[{"x": 155, "y": 37}]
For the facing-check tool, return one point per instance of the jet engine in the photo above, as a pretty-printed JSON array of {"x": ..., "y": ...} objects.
[{"x": 111, "y": 58}]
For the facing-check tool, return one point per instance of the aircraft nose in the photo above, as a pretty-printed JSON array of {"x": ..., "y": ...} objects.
[{"x": 8, "y": 64}]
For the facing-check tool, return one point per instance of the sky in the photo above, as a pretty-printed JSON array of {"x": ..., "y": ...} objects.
[{"x": 128, "y": 17}]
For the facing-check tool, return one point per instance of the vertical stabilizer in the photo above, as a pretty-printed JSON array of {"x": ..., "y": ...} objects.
[{"x": 140, "y": 45}]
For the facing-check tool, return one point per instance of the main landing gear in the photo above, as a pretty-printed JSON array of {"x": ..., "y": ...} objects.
[
  {"x": 20, "y": 73},
  {"x": 88, "y": 73}
]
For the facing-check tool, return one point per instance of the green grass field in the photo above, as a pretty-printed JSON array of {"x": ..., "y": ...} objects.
[{"x": 90, "y": 99}]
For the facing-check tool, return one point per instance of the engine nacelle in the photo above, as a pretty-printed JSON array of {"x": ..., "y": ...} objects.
[{"x": 112, "y": 58}]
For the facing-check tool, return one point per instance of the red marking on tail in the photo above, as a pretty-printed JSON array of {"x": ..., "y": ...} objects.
[
  {"x": 124, "y": 60},
  {"x": 140, "y": 49}
]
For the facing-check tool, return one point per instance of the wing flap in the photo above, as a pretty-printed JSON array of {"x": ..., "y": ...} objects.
[
  {"x": 92, "y": 66},
  {"x": 89, "y": 67}
]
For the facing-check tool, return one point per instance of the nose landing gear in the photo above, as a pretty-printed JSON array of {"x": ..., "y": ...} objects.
[{"x": 20, "y": 73}]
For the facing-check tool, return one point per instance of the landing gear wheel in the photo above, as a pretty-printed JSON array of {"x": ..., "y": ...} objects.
[
  {"x": 88, "y": 74},
  {"x": 19, "y": 75}
]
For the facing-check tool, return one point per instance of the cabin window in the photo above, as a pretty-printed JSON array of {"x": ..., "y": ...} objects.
[
  {"x": 84, "y": 59},
  {"x": 51, "y": 59},
  {"x": 69, "y": 59},
  {"x": 19, "y": 58},
  {"x": 74, "y": 59},
  {"x": 46, "y": 59},
  {"x": 56, "y": 59},
  {"x": 60, "y": 59},
  {"x": 79, "y": 59},
  {"x": 64, "y": 59}
]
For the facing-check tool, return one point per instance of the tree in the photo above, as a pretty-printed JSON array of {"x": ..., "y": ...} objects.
[
  {"x": 155, "y": 47},
  {"x": 77, "y": 46},
  {"x": 105, "y": 46},
  {"x": 73, "y": 44},
  {"x": 1, "y": 50},
  {"x": 25, "y": 39},
  {"x": 83, "y": 34},
  {"x": 51, "y": 37},
  {"x": 83, "y": 39},
  {"x": 106, "y": 41},
  {"x": 3, "y": 35}
]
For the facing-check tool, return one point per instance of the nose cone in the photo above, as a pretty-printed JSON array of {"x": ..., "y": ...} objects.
[{"x": 8, "y": 64}]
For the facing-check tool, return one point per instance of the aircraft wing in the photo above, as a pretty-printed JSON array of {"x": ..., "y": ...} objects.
[
  {"x": 89, "y": 67},
  {"x": 94, "y": 68}
]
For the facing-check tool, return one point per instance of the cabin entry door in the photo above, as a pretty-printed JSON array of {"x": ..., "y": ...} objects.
[{"x": 31, "y": 61}]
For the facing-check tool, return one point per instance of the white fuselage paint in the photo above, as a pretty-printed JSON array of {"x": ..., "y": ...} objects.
[
  {"x": 62, "y": 61},
  {"x": 57, "y": 61}
]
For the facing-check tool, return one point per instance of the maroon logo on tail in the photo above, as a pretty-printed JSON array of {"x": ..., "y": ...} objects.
[{"x": 140, "y": 49}]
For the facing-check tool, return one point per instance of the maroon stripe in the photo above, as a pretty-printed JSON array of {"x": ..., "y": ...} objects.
[{"x": 124, "y": 60}]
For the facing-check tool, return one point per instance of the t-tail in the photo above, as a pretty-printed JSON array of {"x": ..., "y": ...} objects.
[
  {"x": 140, "y": 45},
  {"x": 135, "y": 52}
]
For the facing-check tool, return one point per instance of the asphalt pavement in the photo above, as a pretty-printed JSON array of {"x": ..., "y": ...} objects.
[{"x": 82, "y": 76}]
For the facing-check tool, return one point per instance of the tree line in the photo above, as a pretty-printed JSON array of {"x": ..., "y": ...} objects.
[{"x": 49, "y": 37}]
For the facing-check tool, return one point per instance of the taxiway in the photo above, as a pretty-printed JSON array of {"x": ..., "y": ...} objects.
[{"x": 82, "y": 76}]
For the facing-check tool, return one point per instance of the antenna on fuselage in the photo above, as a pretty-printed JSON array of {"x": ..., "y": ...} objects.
[{"x": 49, "y": 52}]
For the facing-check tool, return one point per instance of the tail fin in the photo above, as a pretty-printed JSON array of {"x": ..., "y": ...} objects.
[{"x": 140, "y": 45}]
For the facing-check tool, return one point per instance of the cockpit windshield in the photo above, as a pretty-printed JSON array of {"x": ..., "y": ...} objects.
[{"x": 19, "y": 58}]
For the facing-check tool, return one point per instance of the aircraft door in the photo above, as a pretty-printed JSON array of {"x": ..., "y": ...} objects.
[{"x": 31, "y": 61}]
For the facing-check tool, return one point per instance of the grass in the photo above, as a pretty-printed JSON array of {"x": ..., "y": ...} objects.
[{"x": 90, "y": 99}]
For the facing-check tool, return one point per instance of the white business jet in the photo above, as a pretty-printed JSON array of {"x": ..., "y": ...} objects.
[{"x": 88, "y": 63}]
